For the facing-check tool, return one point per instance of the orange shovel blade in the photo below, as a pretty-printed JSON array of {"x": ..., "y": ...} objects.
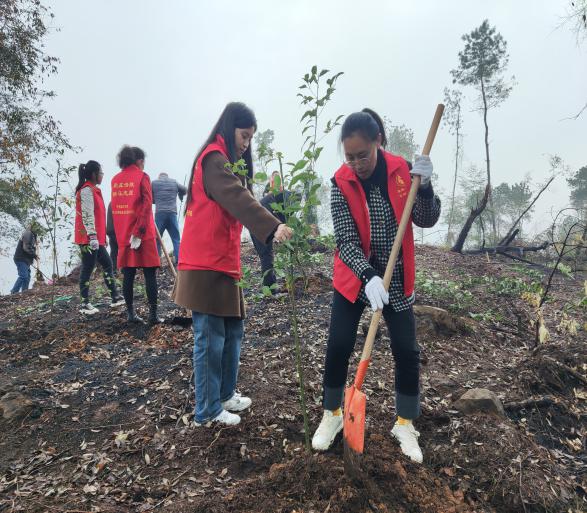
[{"x": 355, "y": 403}]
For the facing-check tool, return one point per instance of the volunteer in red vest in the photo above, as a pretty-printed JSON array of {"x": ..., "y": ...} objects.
[
  {"x": 369, "y": 192},
  {"x": 219, "y": 203},
  {"x": 132, "y": 215},
  {"x": 90, "y": 234}
]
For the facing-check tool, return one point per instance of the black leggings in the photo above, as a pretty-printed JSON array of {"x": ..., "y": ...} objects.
[
  {"x": 401, "y": 325},
  {"x": 150, "y": 284},
  {"x": 113, "y": 251},
  {"x": 265, "y": 252},
  {"x": 89, "y": 260}
]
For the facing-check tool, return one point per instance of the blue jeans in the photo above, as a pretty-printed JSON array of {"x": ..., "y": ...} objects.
[
  {"x": 168, "y": 221},
  {"x": 24, "y": 276},
  {"x": 217, "y": 348}
]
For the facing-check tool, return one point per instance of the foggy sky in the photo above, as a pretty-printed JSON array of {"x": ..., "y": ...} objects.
[{"x": 157, "y": 75}]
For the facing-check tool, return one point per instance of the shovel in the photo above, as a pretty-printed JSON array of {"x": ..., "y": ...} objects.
[
  {"x": 167, "y": 257},
  {"x": 355, "y": 400},
  {"x": 38, "y": 274}
]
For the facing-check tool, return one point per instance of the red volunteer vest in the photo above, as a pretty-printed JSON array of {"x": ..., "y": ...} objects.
[
  {"x": 398, "y": 186},
  {"x": 80, "y": 235},
  {"x": 126, "y": 196},
  {"x": 211, "y": 236}
]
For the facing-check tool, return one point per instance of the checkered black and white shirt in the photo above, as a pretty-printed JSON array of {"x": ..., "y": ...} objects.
[{"x": 384, "y": 227}]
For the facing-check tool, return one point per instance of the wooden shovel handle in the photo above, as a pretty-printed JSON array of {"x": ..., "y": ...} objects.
[
  {"x": 169, "y": 262},
  {"x": 397, "y": 243},
  {"x": 433, "y": 129}
]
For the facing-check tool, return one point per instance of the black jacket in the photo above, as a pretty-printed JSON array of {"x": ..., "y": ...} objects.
[{"x": 25, "y": 250}]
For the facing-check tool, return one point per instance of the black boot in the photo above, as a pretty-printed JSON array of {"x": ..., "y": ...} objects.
[
  {"x": 153, "y": 319},
  {"x": 132, "y": 315}
]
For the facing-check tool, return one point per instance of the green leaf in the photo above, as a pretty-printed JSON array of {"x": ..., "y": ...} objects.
[
  {"x": 261, "y": 177},
  {"x": 300, "y": 164}
]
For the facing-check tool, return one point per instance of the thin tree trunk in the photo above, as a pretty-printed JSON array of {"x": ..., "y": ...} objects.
[
  {"x": 312, "y": 216},
  {"x": 454, "y": 184},
  {"x": 513, "y": 227},
  {"x": 555, "y": 268},
  {"x": 298, "y": 352},
  {"x": 485, "y": 109}
]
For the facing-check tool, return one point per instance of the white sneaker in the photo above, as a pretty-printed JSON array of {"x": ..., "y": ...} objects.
[
  {"x": 407, "y": 436},
  {"x": 119, "y": 301},
  {"x": 329, "y": 427},
  {"x": 88, "y": 309},
  {"x": 227, "y": 418},
  {"x": 237, "y": 403},
  {"x": 224, "y": 417}
]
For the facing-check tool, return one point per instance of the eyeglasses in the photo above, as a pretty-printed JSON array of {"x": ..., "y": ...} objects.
[{"x": 356, "y": 162}]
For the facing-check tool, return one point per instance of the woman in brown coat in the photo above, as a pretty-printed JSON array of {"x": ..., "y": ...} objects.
[{"x": 219, "y": 203}]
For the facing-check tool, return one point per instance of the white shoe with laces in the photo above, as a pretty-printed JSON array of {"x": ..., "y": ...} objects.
[
  {"x": 224, "y": 417},
  {"x": 329, "y": 427},
  {"x": 237, "y": 403},
  {"x": 227, "y": 418},
  {"x": 88, "y": 309},
  {"x": 407, "y": 436}
]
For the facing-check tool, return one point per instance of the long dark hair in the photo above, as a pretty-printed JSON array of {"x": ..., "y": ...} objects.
[
  {"x": 235, "y": 115},
  {"x": 85, "y": 172},
  {"x": 367, "y": 123}
]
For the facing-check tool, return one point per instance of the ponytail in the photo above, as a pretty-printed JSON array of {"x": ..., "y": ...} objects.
[
  {"x": 86, "y": 171},
  {"x": 380, "y": 124},
  {"x": 367, "y": 123}
]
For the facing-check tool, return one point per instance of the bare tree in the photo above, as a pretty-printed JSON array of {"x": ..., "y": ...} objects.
[
  {"x": 481, "y": 65},
  {"x": 454, "y": 120}
]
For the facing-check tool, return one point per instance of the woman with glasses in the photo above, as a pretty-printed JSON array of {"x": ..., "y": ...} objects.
[
  {"x": 90, "y": 234},
  {"x": 369, "y": 192}
]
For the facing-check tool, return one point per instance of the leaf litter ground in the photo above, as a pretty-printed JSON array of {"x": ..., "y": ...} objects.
[{"x": 105, "y": 425}]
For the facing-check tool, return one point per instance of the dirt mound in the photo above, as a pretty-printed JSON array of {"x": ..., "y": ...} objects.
[{"x": 318, "y": 483}]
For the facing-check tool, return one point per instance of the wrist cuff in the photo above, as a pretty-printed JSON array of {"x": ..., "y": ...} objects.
[
  {"x": 367, "y": 274},
  {"x": 426, "y": 191}
]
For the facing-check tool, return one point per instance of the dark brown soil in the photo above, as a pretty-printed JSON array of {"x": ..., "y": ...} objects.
[{"x": 111, "y": 428}]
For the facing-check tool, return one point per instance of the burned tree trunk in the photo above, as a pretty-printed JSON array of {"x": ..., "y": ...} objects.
[{"x": 475, "y": 213}]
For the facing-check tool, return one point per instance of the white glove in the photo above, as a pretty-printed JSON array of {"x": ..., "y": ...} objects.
[
  {"x": 94, "y": 244},
  {"x": 135, "y": 242},
  {"x": 423, "y": 167},
  {"x": 376, "y": 294}
]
